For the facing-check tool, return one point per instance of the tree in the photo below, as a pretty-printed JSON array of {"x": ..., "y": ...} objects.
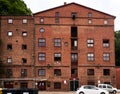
[
  {"x": 14, "y": 7},
  {"x": 117, "y": 48}
]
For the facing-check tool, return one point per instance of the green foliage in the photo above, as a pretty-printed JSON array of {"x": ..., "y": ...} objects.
[
  {"x": 117, "y": 47},
  {"x": 14, "y": 7}
]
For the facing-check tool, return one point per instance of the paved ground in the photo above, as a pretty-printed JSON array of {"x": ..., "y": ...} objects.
[{"x": 69, "y": 92}]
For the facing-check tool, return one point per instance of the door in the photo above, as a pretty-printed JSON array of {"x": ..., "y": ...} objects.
[
  {"x": 42, "y": 85},
  {"x": 74, "y": 84},
  {"x": 8, "y": 84}
]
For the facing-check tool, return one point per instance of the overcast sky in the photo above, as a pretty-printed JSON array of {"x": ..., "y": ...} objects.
[{"x": 108, "y": 6}]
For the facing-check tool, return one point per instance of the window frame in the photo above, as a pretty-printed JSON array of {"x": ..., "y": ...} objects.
[
  {"x": 42, "y": 30},
  {"x": 9, "y": 60},
  {"x": 57, "y": 42},
  {"x": 41, "y": 57},
  {"x": 90, "y": 43},
  {"x": 57, "y": 85},
  {"x": 23, "y": 72},
  {"x": 41, "y": 20},
  {"x": 41, "y": 42},
  {"x": 10, "y": 21},
  {"x": 24, "y": 21},
  {"x": 106, "y": 57},
  {"x": 90, "y": 57},
  {"x": 24, "y": 33},
  {"x": 90, "y": 72},
  {"x": 57, "y": 57},
  {"x": 10, "y": 34},
  {"x": 106, "y": 43},
  {"x": 57, "y": 72},
  {"x": 41, "y": 72}
]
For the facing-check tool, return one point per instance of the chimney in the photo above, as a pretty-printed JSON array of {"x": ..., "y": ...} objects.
[{"x": 65, "y": 3}]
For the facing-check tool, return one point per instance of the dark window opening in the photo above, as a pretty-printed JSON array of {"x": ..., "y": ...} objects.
[
  {"x": 24, "y": 60},
  {"x": 90, "y": 72},
  {"x": 23, "y": 72},
  {"x": 74, "y": 15},
  {"x": 106, "y": 72},
  {"x": 57, "y": 85},
  {"x": 24, "y": 47},
  {"x": 9, "y": 73},
  {"x": 57, "y": 72},
  {"x": 57, "y": 57},
  {"x": 9, "y": 47},
  {"x": 74, "y": 73},
  {"x": 73, "y": 31},
  {"x": 23, "y": 85}
]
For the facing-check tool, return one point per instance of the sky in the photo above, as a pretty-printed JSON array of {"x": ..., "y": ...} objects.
[{"x": 108, "y": 6}]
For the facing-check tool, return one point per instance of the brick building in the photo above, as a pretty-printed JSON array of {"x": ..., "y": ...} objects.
[
  {"x": 59, "y": 48},
  {"x": 17, "y": 50}
]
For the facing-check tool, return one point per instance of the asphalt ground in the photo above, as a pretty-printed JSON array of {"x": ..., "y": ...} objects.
[{"x": 66, "y": 92}]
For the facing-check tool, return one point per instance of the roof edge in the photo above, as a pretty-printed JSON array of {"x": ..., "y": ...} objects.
[{"x": 74, "y": 4}]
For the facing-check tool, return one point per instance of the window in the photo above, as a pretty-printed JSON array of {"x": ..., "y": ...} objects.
[
  {"x": 74, "y": 14},
  {"x": 106, "y": 56},
  {"x": 105, "y": 21},
  {"x": 9, "y": 60},
  {"x": 90, "y": 42},
  {"x": 105, "y": 42},
  {"x": 42, "y": 30},
  {"x": 57, "y": 42},
  {"x": 57, "y": 57},
  {"x": 90, "y": 56},
  {"x": 24, "y": 34},
  {"x": 9, "y": 46},
  {"x": 41, "y": 57},
  {"x": 90, "y": 72},
  {"x": 41, "y": 72},
  {"x": 10, "y": 21},
  {"x": 23, "y": 72},
  {"x": 41, "y": 42},
  {"x": 106, "y": 72},
  {"x": 74, "y": 32},
  {"x": 90, "y": 15},
  {"x": 10, "y": 33},
  {"x": 24, "y": 60},
  {"x": 41, "y": 20},
  {"x": 24, "y": 46},
  {"x": 9, "y": 73},
  {"x": 57, "y": 14},
  {"x": 74, "y": 57},
  {"x": 74, "y": 44},
  {"x": 24, "y": 21},
  {"x": 57, "y": 85},
  {"x": 89, "y": 21},
  {"x": 24, "y": 85},
  {"x": 57, "y": 17},
  {"x": 57, "y": 72}
]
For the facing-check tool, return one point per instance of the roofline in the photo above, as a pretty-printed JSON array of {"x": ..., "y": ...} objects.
[{"x": 75, "y": 4}]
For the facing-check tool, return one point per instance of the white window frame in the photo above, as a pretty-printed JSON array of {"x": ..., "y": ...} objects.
[
  {"x": 24, "y": 21},
  {"x": 10, "y": 33},
  {"x": 10, "y": 20}
]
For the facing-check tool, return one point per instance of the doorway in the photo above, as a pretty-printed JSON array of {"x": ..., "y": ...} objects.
[
  {"x": 42, "y": 85},
  {"x": 74, "y": 84}
]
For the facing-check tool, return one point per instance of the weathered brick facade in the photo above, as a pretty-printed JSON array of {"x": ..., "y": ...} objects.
[{"x": 67, "y": 46}]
